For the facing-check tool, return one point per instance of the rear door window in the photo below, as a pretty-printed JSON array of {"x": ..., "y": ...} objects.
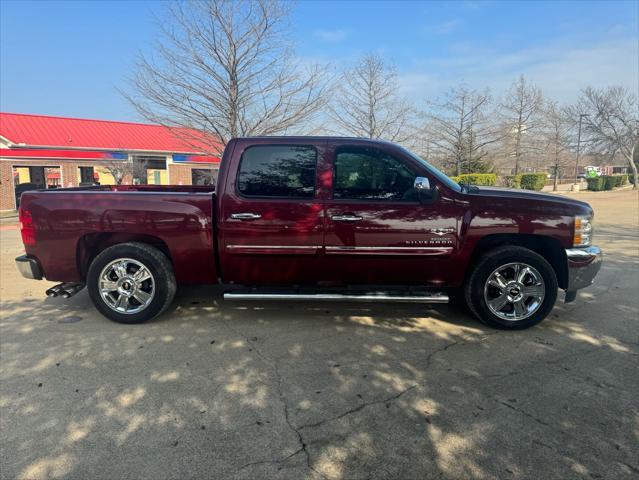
[{"x": 278, "y": 171}]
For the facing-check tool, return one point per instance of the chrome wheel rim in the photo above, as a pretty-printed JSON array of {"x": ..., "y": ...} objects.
[
  {"x": 514, "y": 291},
  {"x": 126, "y": 286}
]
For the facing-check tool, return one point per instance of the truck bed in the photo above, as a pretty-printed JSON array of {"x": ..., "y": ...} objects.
[
  {"x": 137, "y": 188},
  {"x": 72, "y": 225}
]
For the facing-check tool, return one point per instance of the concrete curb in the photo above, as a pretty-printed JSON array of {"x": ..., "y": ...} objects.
[{"x": 8, "y": 214}]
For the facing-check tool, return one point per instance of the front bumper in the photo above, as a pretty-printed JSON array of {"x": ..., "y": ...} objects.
[
  {"x": 29, "y": 267},
  {"x": 583, "y": 265}
]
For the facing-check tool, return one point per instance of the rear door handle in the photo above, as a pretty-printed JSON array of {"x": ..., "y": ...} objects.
[
  {"x": 246, "y": 216},
  {"x": 346, "y": 218}
]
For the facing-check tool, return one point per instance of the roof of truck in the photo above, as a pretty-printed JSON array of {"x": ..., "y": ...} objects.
[{"x": 301, "y": 138}]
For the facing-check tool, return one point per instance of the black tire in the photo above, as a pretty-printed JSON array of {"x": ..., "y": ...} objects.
[
  {"x": 158, "y": 265},
  {"x": 492, "y": 260}
]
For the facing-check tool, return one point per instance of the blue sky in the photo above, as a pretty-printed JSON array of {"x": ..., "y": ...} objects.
[{"x": 69, "y": 58}]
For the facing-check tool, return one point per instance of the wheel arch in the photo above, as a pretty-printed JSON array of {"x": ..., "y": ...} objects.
[
  {"x": 90, "y": 245},
  {"x": 548, "y": 247}
]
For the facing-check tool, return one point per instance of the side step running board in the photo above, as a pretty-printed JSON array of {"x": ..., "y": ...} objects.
[{"x": 432, "y": 298}]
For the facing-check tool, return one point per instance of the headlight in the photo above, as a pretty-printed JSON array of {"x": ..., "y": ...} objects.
[{"x": 583, "y": 231}]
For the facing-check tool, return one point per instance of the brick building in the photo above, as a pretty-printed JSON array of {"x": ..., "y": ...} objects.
[{"x": 38, "y": 151}]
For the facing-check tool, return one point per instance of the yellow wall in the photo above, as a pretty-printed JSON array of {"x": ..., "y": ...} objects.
[
  {"x": 164, "y": 179},
  {"x": 105, "y": 177},
  {"x": 23, "y": 174}
]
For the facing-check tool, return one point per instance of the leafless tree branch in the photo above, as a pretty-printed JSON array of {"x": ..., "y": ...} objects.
[
  {"x": 520, "y": 110},
  {"x": 367, "y": 104},
  {"x": 611, "y": 122},
  {"x": 225, "y": 68},
  {"x": 459, "y": 126}
]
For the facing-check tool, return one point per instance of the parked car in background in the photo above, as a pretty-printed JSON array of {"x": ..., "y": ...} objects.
[{"x": 314, "y": 219}]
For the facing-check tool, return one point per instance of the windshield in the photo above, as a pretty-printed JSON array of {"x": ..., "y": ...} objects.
[{"x": 445, "y": 179}]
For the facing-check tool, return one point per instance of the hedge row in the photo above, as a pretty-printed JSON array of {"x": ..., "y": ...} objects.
[
  {"x": 606, "y": 182},
  {"x": 536, "y": 181},
  {"x": 512, "y": 181},
  {"x": 476, "y": 178},
  {"x": 528, "y": 181},
  {"x": 533, "y": 181}
]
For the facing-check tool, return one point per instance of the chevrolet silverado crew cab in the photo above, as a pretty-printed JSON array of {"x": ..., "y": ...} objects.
[{"x": 313, "y": 218}]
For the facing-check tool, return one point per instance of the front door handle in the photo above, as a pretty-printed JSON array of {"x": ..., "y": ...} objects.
[
  {"x": 346, "y": 218},
  {"x": 246, "y": 216}
]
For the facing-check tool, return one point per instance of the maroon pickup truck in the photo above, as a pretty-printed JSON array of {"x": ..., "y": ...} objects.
[{"x": 313, "y": 218}]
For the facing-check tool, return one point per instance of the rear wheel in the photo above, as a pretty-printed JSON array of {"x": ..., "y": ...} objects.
[
  {"x": 511, "y": 288},
  {"x": 131, "y": 282}
]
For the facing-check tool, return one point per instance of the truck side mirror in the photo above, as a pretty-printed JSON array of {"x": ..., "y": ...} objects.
[
  {"x": 422, "y": 185},
  {"x": 425, "y": 193}
]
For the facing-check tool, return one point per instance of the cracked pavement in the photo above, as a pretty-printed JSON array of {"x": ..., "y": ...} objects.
[{"x": 324, "y": 391}]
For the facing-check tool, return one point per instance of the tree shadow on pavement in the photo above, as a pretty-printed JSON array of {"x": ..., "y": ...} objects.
[{"x": 276, "y": 390}]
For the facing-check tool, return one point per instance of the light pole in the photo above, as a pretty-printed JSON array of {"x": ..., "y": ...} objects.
[{"x": 581, "y": 116}]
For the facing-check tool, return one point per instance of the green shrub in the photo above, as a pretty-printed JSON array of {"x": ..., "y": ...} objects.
[
  {"x": 621, "y": 180},
  {"x": 512, "y": 181},
  {"x": 476, "y": 178},
  {"x": 533, "y": 181},
  {"x": 595, "y": 183},
  {"x": 612, "y": 181},
  {"x": 608, "y": 182}
]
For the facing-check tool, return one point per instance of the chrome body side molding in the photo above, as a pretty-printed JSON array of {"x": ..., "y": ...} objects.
[
  {"x": 275, "y": 249},
  {"x": 416, "y": 250}
]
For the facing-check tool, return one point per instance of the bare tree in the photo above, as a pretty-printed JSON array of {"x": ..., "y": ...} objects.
[
  {"x": 611, "y": 122},
  {"x": 557, "y": 129},
  {"x": 367, "y": 104},
  {"x": 519, "y": 110},
  {"x": 119, "y": 170},
  {"x": 226, "y": 68},
  {"x": 122, "y": 170},
  {"x": 459, "y": 128}
]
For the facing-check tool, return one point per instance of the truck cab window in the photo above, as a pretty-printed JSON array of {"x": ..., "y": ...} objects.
[
  {"x": 370, "y": 174},
  {"x": 277, "y": 171}
]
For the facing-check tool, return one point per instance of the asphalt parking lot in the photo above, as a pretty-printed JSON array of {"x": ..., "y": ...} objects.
[{"x": 228, "y": 390}]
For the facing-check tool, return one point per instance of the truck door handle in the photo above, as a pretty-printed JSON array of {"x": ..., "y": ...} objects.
[
  {"x": 346, "y": 218},
  {"x": 246, "y": 216}
]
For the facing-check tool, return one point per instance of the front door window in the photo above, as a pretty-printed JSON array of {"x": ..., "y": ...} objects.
[{"x": 368, "y": 174}]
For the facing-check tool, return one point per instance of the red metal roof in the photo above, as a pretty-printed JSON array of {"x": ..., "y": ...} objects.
[
  {"x": 62, "y": 132},
  {"x": 53, "y": 153}
]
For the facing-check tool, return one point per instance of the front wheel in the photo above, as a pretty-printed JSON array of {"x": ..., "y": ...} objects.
[
  {"x": 131, "y": 282},
  {"x": 511, "y": 287}
]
